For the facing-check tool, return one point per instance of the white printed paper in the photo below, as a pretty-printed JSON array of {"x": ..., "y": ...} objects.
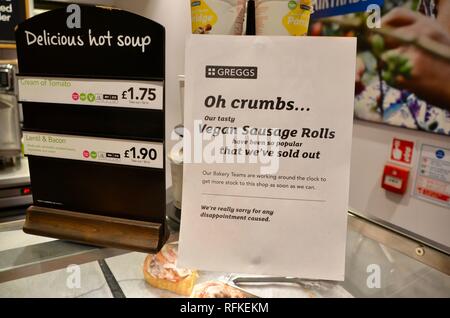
[
  {"x": 432, "y": 182},
  {"x": 96, "y": 92},
  {"x": 102, "y": 150},
  {"x": 267, "y": 154}
]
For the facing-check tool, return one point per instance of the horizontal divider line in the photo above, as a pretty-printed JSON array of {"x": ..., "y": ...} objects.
[
  {"x": 47, "y": 102},
  {"x": 256, "y": 197},
  {"x": 103, "y": 77},
  {"x": 96, "y": 162},
  {"x": 90, "y": 105}
]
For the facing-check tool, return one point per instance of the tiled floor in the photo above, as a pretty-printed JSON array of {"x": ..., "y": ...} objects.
[
  {"x": 127, "y": 270},
  {"x": 20, "y": 248},
  {"x": 17, "y": 238},
  {"x": 60, "y": 284},
  {"x": 400, "y": 276}
]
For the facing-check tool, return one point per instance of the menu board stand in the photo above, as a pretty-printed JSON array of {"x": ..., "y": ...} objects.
[
  {"x": 93, "y": 103},
  {"x": 100, "y": 230}
]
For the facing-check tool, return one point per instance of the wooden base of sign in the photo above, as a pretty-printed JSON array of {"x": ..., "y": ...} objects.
[{"x": 95, "y": 229}]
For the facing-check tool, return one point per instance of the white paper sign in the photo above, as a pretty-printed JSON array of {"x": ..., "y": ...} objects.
[
  {"x": 433, "y": 175},
  {"x": 103, "y": 150},
  {"x": 267, "y": 154},
  {"x": 96, "y": 92}
]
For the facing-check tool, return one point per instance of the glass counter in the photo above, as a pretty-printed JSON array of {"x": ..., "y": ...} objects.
[{"x": 379, "y": 263}]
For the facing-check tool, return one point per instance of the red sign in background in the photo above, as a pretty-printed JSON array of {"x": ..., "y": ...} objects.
[{"x": 402, "y": 150}]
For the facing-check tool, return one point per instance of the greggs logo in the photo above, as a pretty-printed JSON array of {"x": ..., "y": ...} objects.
[{"x": 237, "y": 72}]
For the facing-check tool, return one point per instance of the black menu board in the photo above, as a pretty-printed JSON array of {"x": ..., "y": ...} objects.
[{"x": 93, "y": 103}]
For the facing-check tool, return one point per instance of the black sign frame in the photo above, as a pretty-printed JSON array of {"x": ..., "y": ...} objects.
[{"x": 126, "y": 205}]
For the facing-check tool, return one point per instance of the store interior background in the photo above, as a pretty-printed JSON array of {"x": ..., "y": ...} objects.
[{"x": 370, "y": 149}]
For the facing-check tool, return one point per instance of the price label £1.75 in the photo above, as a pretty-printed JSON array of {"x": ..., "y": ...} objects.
[
  {"x": 140, "y": 93},
  {"x": 95, "y": 92},
  {"x": 147, "y": 94}
]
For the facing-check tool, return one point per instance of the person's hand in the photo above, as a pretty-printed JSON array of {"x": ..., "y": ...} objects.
[
  {"x": 430, "y": 76},
  {"x": 412, "y": 25}
]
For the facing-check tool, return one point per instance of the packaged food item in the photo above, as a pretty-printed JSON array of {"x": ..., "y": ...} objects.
[
  {"x": 161, "y": 272},
  {"x": 282, "y": 17},
  {"x": 216, "y": 289},
  {"x": 217, "y": 16}
]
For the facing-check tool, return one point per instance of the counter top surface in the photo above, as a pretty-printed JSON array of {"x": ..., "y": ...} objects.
[{"x": 33, "y": 266}]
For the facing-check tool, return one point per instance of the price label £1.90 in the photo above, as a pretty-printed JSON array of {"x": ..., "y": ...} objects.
[
  {"x": 102, "y": 150},
  {"x": 141, "y": 153}
]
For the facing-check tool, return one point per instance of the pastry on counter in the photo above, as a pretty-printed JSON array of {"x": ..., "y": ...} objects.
[
  {"x": 160, "y": 272},
  {"x": 217, "y": 289}
]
